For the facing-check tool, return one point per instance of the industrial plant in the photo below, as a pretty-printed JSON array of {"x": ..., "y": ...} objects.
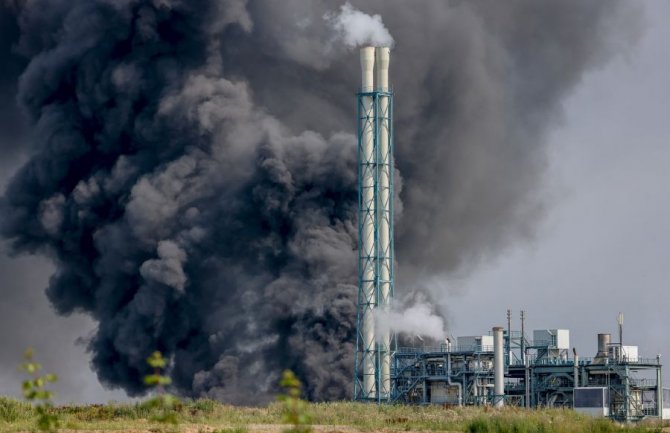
[
  {"x": 506, "y": 367},
  {"x": 497, "y": 368}
]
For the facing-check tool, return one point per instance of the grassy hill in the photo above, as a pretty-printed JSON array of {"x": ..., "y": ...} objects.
[{"x": 207, "y": 416}]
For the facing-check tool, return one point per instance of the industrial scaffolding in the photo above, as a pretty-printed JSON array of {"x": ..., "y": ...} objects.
[
  {"x": 538, "y": 373},
  {"x": 372, "y": 376}
]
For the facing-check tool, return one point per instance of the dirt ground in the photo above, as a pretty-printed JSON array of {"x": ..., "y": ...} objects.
[{"x": 253, "y": 428}]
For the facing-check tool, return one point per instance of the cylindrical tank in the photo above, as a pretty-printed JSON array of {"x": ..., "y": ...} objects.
[
  {"x": 603, "y": 345},
  {"x": 367, "y": 215},
  {"x": 499, "y": 367},
  {"x": 385, "y": 164}
]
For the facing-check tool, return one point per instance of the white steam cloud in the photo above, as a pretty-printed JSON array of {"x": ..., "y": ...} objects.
[
  {"x": 418, "y": 319},
  {"x": 355, "y": 28}
]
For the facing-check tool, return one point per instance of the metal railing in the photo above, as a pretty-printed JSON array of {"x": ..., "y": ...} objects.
[
  {"x": 445, "y": 349},
  {"x": 584, "y": 361},
  {"x": 642, "y": 382}
]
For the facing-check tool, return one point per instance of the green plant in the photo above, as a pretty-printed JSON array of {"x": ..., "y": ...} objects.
[
  {"x": 294, "y": 409},
  {"x": 164, "y": 406},
  {"x": 35, "y": 391}
]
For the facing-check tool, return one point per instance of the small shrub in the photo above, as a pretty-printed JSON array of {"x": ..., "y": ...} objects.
[
  {"x": 294, "y": 409},
  {"x": 35, "y": 391},
  {"x": 163, "y": 406}
]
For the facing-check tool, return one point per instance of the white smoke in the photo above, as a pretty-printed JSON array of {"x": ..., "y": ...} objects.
[
  {"x": 355, "y": 28},
  {"x": 416, "y": 320}
]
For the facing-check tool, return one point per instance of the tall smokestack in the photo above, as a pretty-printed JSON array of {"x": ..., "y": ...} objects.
[
  {"x": 375, "y": 219},
  {"x": 499, "y": 367},
  {"x": 367, "y": 212},
  {"x": 385, "y": 212},
  {"x": 367, "y": 68},
  {"x": 382, "y": 60}
]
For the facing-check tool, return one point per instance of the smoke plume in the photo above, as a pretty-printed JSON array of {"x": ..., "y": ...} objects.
[
  {"x": 416, "y": 318},
  {"x": 192, "y": 169},
  {"x": 356, "y": 28},
  {"x": 11, "y": 122}
]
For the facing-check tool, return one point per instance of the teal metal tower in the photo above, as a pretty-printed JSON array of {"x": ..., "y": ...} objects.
[{"x": 374, "y": 347}]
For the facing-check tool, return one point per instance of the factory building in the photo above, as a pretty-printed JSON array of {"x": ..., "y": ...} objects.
[
  {"x": 501, "y": 367},
  {"x": 540, "y": 371}
]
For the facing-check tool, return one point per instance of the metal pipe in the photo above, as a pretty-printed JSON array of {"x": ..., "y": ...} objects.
[
  {"x": 659, "y": 388},
  {"x": 523, "y": 337},
  {"x": 456, "y": 384},
  {"x": 526, "y": 383},
  {"x": 368, "y": 242},
  {"x": 620, "y": 323},
  {"x": 626, "y": 394},
  {"x": 385, "y": 165},
  {"x": 509, "y": 338},
  {"x": 499, "y": 367},
  {"x": 424, "y": 397},
  {"x": 576, "y": 368}
]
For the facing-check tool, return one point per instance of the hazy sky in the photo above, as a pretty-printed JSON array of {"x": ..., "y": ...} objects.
[
  {"x": 604, "y": 245},
  {"x": 602, "y": 249}
]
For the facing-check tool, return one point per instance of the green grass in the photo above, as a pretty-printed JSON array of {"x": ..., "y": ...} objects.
[
  {"x": 12, "y": 411},
  {"x": 212, "y": 417},
  {"x": 242, "y": 429},
  {"x": 548, "y": 421}
]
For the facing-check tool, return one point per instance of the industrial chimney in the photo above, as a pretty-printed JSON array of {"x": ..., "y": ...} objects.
[
  {"x": 367, "y": 247},
  {"x": 372, "y": 379},
  {"x": 498, "y": 367},
  {"x": 385, "y": 209}
]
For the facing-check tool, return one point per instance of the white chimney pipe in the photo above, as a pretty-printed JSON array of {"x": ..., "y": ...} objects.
[
  {"x": 368, "y": 244},
  {"x": 382, "y": 59},
  {"x": 367, "y": 68},
  {"x": 498, "y": 367}
]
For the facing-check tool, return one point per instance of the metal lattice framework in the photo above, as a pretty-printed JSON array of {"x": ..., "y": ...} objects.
[{"x": 375, "y": 244}]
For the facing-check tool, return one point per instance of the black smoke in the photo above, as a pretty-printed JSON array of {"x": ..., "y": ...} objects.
[
  {"x": 192, "y": 170},
  {"x": 11, "y": 121}
]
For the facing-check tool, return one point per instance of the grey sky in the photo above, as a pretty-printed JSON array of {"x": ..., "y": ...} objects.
[
  {"x": 54, "y": 338},
  {"x": 604, "y": 245},
  {"x": 602, "y": 249}
]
